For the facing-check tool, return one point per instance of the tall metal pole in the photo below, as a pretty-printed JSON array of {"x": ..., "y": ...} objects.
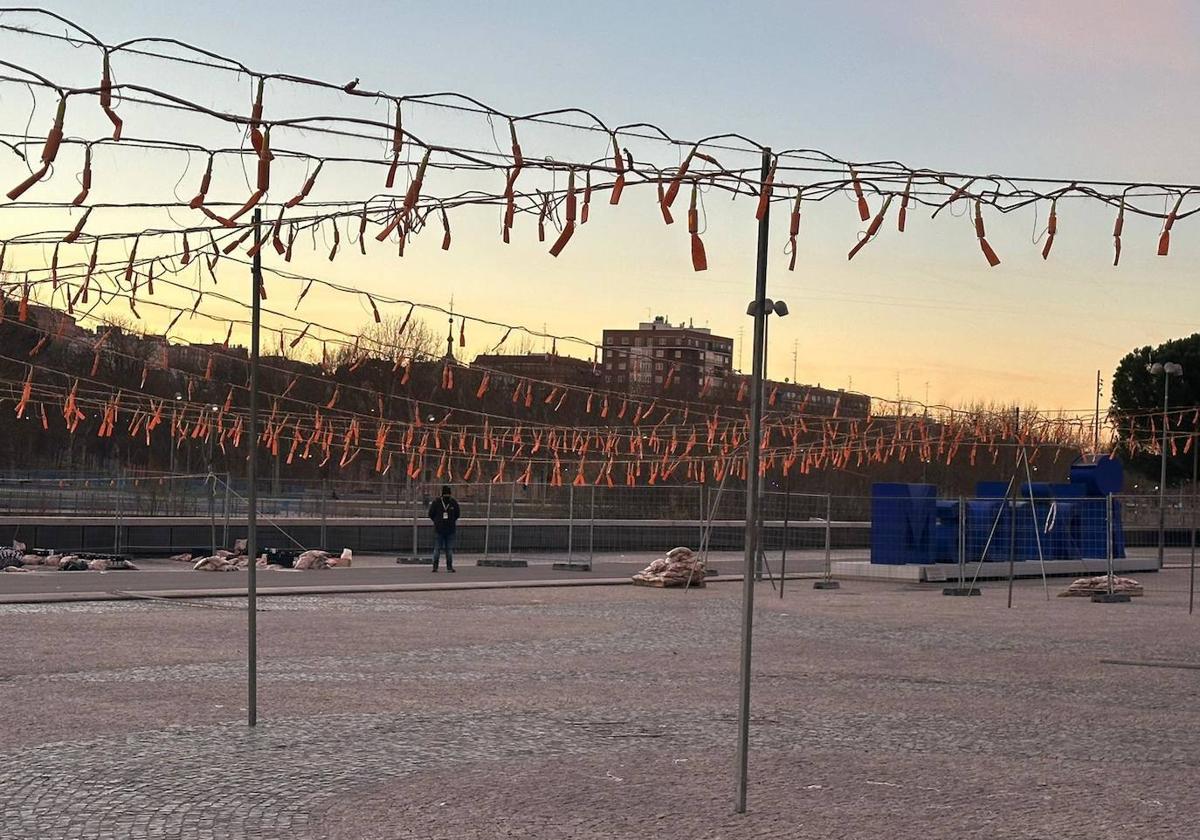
[
  {"x": 252, "y": 490},
  {"x": 752, "y": 482},
  {"x": 1162, "y": 480},
  {"x": 1096, "y": 431}
]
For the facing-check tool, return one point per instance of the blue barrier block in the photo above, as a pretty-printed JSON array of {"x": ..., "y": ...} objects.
[{"x": 902, "y": 523}]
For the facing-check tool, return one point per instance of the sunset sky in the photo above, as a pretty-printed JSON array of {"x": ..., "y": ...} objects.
[{"x": 1098, "y": 89}]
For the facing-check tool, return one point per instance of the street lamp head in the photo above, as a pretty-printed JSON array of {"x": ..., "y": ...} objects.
[
  {"x": 178, "y": 396},
  {"x": 1173, "y": 369},
  {"x": 768, "y": 307},
  {"x": 1155, "y": 368},
  {"x": 214, "y": 409}
]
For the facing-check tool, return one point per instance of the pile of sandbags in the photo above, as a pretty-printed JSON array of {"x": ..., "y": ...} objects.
[
  {"x": 317, "y": 559},
  {"x": 185, "y": 557},
  {"x": 89, "y": 563},
  {"x": 227, "y": 561},
  {"x": 223, "y": 561},
  {"x": 1088, "y": 586},
  {"x": 42, "y": 559},
  {"x": 681, "y": 567}
]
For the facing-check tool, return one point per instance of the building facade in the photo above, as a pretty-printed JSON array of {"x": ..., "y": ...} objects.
[{"x": 661, "y": 358}]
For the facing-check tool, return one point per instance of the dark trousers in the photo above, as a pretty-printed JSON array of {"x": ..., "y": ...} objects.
[{"x": 443, "y": 542}]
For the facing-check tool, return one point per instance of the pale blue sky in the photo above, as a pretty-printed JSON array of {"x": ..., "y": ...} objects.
[{"x": 1096, "y": 89}]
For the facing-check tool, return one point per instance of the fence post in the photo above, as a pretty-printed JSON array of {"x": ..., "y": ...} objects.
[
  {"x": 211, "y": 481},
  {"x": 962, "y": 541},
  {"x": 828, "y": 536},
  {"x": 512, "y": 508},
  {"x": 571, "y": 523},
  {"x": 1110, "y": 596},
  {"x": 117, "y": 519},
  {"x": 787, "y": 514},
  {"x": 487, "y": 523},
  {"x": 413, "y": 501},
  {"x": 225, "y": 526},
  {"x": 1012, "y": 544},
  {"x": 703, "y": 516},
  {"x": 1108, "y": 540},
  {"x": 827, "y": 582},
  {"x": 592, "y": 529},
  {"x": 324, "y": 513}
]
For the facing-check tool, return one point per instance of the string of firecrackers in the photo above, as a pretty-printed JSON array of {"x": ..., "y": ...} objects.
[
  {"x": 259, "y": 131},
  {"x": 557, "y": 392},
  {"x": 831, "y": 444},
  {"x": 408, "y": 220},
  {"x": 771, "y": 401},
  {"x": 427, "y": 448},
  {"x": 218, "y": 253},
  {"x": 446, "y": 374}
]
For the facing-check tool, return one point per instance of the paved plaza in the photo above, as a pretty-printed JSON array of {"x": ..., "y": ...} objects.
[{"x": 605, "y": 712}]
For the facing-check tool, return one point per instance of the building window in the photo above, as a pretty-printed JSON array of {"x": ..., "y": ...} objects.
[
  {"x": 621, "y": 366},
  {"x": 658, "y": 380},
  {"x": 625, "y": 340},
  {"x": 678, "y": 354}
]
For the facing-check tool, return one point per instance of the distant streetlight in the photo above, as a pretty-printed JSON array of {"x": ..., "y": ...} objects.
[{"x": 1166, "y": 370}]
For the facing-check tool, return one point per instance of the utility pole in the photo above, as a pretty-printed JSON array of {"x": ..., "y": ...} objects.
[
  {"x": 1096, "y": 433},
  {"x": 795, "y": 358}
]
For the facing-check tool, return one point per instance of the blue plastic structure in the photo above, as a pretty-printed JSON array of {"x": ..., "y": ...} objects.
[{"x": 1065, "y": 521}]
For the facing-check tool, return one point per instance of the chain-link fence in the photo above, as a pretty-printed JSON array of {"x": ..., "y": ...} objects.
[{"x": 168, "y": 514}]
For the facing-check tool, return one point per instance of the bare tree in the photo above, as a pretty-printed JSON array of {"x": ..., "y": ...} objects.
[{"x": 394, "y": 337}]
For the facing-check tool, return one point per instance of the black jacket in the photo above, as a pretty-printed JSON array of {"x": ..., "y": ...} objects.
[{"x": 444, "y": 524}]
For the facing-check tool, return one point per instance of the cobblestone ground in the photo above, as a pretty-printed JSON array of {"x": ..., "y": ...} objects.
[{"x": 604, "y": 713}]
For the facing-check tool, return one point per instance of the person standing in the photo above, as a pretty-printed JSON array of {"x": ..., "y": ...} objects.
[{"x": 443, "y": 512}]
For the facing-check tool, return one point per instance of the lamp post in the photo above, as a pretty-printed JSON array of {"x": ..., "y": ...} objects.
[
  {"x": 780, "y": 309},
  {"x": 1166, "y": 370}
]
